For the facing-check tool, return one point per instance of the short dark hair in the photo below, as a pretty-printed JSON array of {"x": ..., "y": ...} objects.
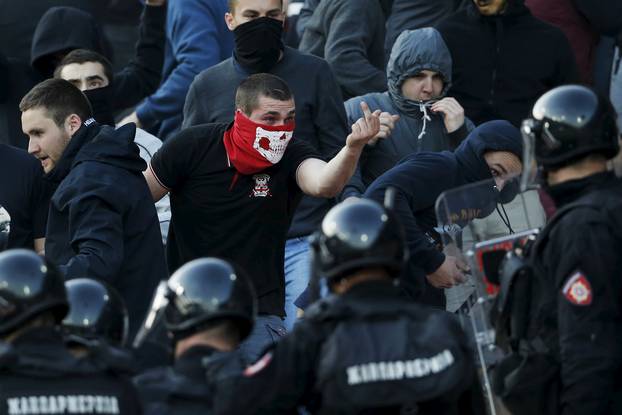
[
  {"x": 81, "y": 56},
  {"x": 260, "y": 85},
  {"x": 233, "y": 3},
  {"x": 59, "y": 98}
]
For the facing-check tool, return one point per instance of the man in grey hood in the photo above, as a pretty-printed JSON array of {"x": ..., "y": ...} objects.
[{"x": 419, "y": 76}]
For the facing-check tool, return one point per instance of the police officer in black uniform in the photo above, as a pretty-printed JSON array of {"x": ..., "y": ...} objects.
[
  {"x": 364, "y": 349},
  {"x": 566, "y": 357},
  {"x": 208, "y": 307},
  {"x": 38, "y": 374}
]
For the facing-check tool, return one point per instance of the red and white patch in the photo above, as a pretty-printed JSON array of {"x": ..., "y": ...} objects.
[
  {"x": 578, "y": 289},
  {"x": 258, "y": 366}
]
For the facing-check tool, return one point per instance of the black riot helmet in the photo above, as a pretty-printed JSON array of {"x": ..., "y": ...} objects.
[
  {"x": 357, "y": 235},
  {"x": 29, "y": 286},
  {"x": 570, "y": 122},
  {"x": 96, "y": 312},
  {"x": 200, "y": 294}
]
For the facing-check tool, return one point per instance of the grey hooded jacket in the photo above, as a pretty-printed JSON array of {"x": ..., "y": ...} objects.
[{"x": 418, "y": 129}]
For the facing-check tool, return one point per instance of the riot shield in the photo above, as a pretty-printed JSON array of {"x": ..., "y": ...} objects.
[
  {"x": 5, "y": 228},
  {"x": 459, "y": 212}
]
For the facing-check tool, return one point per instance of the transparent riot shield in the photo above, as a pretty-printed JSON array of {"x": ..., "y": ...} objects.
[
  {"x": 497, "y": 204},
  {"x": 5, "y": 228}
]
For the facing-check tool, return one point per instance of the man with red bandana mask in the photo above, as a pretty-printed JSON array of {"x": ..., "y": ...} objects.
[{"x": 234, "y": 189}]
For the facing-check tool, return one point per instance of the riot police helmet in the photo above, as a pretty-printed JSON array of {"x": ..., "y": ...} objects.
[
  {"x": 29, "y": 286},
  {"x": 571, "y": 122},
  {"x": 359, "y": 234},
  {"x": 96, "y": 313},
  {"x": 205, "y": 292}
]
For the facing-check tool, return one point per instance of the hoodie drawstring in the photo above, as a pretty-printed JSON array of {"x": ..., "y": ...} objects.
[
  {"x": 505, "y": 219},
  {"x": 425, "y": 118}
]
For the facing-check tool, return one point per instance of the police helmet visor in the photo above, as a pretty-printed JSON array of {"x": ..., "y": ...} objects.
[
  {"x": 5, "y": 228},
  {"x": 155, "y": 315},
  {"x": 531, "y": 175},
  {"x": 205, "y": 290}
]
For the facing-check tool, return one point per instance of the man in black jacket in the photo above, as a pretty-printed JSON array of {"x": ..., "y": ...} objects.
[
  {"x": 102, "y": 223},
  {"x": 25, "y": 196},
  {"x": 492, "y": 150},
  {"x": 504, "y": 59},
  {"x": 37, "y": 371}
]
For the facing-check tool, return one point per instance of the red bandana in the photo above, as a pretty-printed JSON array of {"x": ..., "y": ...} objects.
[{"x": 252, "y": 147}]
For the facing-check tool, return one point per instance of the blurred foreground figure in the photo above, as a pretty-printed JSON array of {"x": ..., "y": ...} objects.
[
  {"x": 365, "y": 348},
  {"x": 208, "y": 307},
  {"x": 38, "y": 373}
]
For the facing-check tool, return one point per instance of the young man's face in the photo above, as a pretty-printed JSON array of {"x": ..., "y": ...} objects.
[
  {"x": 424, "y": 86},
  {"x": 490, "y": 7},
  {"x": 47, "y": 141},
  {"x": 247, "y": 10},
  {"x": 503, "y": 166},
  {"x": 270, "y": 111},
  {"x": 85, "y": 76}
]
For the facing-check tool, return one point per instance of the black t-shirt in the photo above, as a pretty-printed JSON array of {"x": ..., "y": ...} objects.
[
  {"x": 219, "y": 212},
  {"x": 24, "y": 194}
]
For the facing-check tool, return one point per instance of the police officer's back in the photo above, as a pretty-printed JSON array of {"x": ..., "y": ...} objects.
[
  {"x": 208, "y": 307},
  {"x": 365, "y": 349},
  {"x": 38, "y": 374},
  {"x": 573, "y": 336}
]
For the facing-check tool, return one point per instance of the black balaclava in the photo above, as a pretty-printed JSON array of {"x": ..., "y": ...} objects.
[
  {"x": 258, "y": 44},
  {"x": 101, "y": 102}
]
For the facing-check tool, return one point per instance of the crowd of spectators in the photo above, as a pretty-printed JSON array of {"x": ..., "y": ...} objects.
[{"x": 415, "y": 94}]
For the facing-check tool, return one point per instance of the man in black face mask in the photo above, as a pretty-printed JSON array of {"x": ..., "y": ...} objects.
[
  {"x": 92, "y": 74},
  {"x": 257, "y": 26}
]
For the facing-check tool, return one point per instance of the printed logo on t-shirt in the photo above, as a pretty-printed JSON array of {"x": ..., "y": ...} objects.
[{"x": 261, "y": 188}]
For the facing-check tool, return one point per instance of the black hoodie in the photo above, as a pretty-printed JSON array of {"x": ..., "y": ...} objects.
[
  {"x": 102, "y": 221},
  {"x": 420, "y": 178},
  {"x": 502, "y": 64},
  {"x": 40, "y": 375},
  {"x": 61, "y": 30},
  {"x": 16, "y": 79},
  {"x": 137, "y": 80}
]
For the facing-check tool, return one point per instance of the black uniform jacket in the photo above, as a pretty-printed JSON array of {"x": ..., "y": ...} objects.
[
  {"x": 367, "y": 350},
  {"x": 577, "y": 308},
  {"x": 183, "y": 389},
  {"x": 39, "y": 375}
]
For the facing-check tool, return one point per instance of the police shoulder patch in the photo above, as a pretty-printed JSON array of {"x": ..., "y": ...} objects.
[
  {"x": 577, "y": 289},
  {"x": 258, "y": 366}
]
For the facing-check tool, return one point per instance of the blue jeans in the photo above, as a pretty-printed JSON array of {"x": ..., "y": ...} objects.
[
  {"x": 297, "y": 271},
  {"x": 268, "y": 329}
]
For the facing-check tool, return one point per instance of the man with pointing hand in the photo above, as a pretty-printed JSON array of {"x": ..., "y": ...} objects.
[{"x": 234, "y": 189}]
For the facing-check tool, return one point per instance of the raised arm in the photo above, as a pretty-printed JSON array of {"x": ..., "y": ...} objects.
[{"x": 320, "y": 179}]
